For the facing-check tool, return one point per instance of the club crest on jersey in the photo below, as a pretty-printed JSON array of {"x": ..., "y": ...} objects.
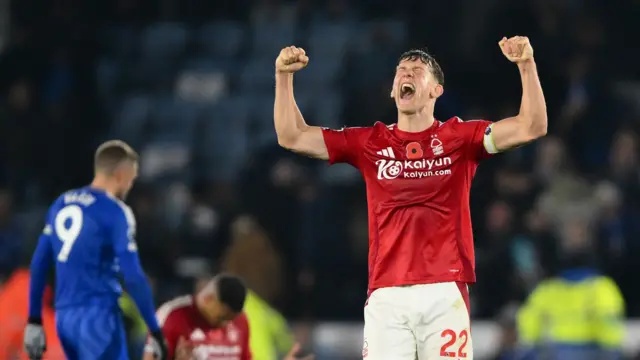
[
  {"x": 436, "y": 146},
  {"x": 414, "y": 151}
]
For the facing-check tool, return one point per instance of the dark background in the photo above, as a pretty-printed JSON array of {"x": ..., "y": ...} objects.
[{"x": 189, "y": 83}]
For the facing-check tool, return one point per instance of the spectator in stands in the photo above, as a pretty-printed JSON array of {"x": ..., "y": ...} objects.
[
  {"x": 495, "y": 263},
  {"x": 566, "y": 192}
]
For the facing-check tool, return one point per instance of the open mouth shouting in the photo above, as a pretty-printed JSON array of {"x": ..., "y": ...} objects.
[{"x": 407, "y": 91}]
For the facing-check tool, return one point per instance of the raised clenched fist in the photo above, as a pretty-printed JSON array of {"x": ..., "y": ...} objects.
[
  {"x": 516, "y": 49},
  {"x": 291, "y": 59}
]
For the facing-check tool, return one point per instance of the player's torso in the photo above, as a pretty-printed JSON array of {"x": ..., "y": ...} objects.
[
  {"x": 418, "y": 194},
  {"x": 86, "y": 268},
  {"x": 210, "y": 343},
  {"x": 414, "y": 172}
]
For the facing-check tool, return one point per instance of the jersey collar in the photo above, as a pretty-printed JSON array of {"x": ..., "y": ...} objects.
[{"x": 405, "y": 135}]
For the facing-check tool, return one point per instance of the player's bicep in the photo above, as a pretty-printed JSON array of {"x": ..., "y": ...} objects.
[
  {"x": 125, "y": 247},
  {"x": 123, "y": 232},
  {"x": 478, "y": 138},
  {"x": 310, "y": 143},
  {"x": 42, "y": 259},
  {"x": 44, "y": 251},
  {"x": 510, "y": 133}
]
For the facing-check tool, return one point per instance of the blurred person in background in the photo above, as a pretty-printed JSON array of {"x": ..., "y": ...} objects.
[
  {"x": 620, "y": 211},
  {"x": 13, "y": 309},
  {"x": 495, "y": 265},
  {"x": 566, "y": 192},
  {"x": 578, "y": 314},
  {"x": 624, "y": 159},
  {"x": 253, "y": 257}
]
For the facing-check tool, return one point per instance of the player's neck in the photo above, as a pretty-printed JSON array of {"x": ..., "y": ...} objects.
[
  {"x": 417, "y": 122},
  {"x": 103, "y": 184}
]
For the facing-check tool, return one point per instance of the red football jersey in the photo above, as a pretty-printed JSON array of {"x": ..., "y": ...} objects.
[
  {"x": 418, "y": 187},
  {"x": 181, "y": 318}
]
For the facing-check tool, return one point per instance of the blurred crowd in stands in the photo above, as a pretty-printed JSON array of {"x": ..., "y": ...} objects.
[{"x": 189, "y": 83}]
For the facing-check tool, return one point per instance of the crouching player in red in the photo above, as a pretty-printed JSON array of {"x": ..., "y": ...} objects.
[{"x": 209, "y": 325}]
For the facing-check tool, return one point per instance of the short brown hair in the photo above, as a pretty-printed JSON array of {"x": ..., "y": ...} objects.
[
  {"x": 427, "y": 59},
  {"x": 111, "y": 154}
]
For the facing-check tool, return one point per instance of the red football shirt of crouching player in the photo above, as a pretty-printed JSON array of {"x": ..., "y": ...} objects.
[{"x": 190, "y": 336}]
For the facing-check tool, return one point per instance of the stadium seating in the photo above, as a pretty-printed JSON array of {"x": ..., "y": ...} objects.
[{"x": 208, "y": 89}]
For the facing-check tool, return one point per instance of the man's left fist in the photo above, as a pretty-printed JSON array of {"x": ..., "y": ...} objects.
[{"x": 516, "y": 49}]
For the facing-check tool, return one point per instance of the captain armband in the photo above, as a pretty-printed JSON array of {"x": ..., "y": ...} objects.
[{"x": 489, "y": 145}]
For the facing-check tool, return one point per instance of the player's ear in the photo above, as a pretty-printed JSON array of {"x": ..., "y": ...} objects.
[
  {"x": 209, "y": 298},
  {"x": 393, "y": 87},
  {"x": 437, "y": 91}
]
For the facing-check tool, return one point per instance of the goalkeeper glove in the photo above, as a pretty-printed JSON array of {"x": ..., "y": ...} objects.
[{"x": 35, "y": 342}]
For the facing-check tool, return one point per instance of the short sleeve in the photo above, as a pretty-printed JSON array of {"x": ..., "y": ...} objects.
[
  {"x": 345, "y": 145},
  {"x": 48, "y": 221},
  {"x": 478, "y": 137},
  {"x": 124, "y": 230}
]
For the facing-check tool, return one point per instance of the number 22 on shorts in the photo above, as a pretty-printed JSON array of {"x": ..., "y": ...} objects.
[
  {"x": 68, "y": 234},
  {"x": 448, "y": 350}
]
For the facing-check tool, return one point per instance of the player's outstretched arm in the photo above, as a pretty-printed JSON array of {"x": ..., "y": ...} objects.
[
  {"x": 531, "y": 122},
  {"x": 293, "y": 132},
  {"x": 34, "y": 338}
]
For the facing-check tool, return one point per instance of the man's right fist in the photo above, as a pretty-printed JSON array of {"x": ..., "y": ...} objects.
[{"x": 291, "y": 59}]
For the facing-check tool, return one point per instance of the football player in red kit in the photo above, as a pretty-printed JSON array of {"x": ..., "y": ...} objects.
[
  {"x": 418, "y": 175},
  {"x": 210, "y": 325}
]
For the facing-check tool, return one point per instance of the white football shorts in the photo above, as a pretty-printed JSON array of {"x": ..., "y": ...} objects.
[{"x": 423, "y": 322}]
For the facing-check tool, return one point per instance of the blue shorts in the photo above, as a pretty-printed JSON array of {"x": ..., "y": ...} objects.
[{"x": 92, "y": 332}]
